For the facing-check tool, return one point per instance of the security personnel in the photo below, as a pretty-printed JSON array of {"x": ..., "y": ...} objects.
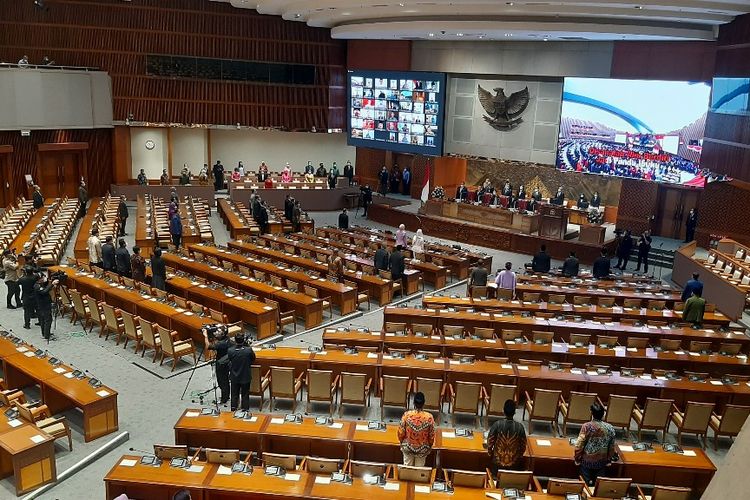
[
  {"x": 241, "y": 358},
  {"x": 42, "y": 290},
  {"x": 28, "y": 297},
  {"x": 221, "y": 345}
]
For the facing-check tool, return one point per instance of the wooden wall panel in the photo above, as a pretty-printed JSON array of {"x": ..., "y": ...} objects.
[
  {"x": 116, "y": 36},
  {"x": 392, "y": 55},
  {"x": 369, "y": 162},
  {"x": 722, "y": 212},
  {"x": 638, "y": 202},
  {"x": 693, "y": 61},
  {"x": 98, "y": 156}
]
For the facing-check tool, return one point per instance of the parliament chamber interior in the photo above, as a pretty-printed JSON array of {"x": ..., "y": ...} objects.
[{"x": 337, "y": 250}]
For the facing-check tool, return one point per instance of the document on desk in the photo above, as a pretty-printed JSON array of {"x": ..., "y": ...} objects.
[
  {"x": 102, "y": 393},
  {"x": 292, "y": 477},
  {"x": 128, "y": 462},
  {"x": 448, "y": 434},
  {"x": 223, "y": 470},
  {"x": 361, "y": 427},
  {"x": 277, "y": 421},
  {"x": 22, "y": 349},
  {"x": 15, "y": 422},
  {"x": 37, "y": 438},
  {"x": 192, "y": 414},
  {"x": 391, "y": 486},
  {"x": 322, "y": 480},
  {"x": 337, "y": 425},
  {"x": 625, "y": 448},
  {"x": 421, "y": 488},
  {"x": 543, "y": 442},
  {"x": 689, "y": 453},
  {"x": 195, "y": 468}
]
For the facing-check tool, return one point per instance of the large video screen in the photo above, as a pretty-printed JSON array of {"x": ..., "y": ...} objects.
[
  {"x": 731, "y": 96},
  {"x": 643, "y": 129},
  {"x": 397, "y": 110}
]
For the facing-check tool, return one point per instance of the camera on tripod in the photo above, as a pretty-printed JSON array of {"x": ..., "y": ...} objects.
[
  {"x": 215, "y": 330},
  {"x": 60, "y": 276}
]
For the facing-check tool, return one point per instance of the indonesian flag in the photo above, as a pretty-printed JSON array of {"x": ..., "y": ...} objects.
[{"x": 426, "y": 185}]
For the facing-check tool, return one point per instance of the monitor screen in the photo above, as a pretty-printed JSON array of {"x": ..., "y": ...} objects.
[
  {"x": 643, "y": 129},
  {"x": 731, "y": 96},
  {"x": 397, "y": 110}
]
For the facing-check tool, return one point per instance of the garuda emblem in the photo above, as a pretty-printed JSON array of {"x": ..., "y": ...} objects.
[{"x": 504, "y": 112}]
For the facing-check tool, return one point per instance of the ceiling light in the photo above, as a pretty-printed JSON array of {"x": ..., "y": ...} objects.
[
  {"x": 401, "y": 4},
  {"x": 459, "y": 34},
  {"x": 546, "y": 38},
  {"x": 431, "y": 34},
  {"x": 509, "y": 3},
  {"x": 639, "y": 7},
  {"x": 297, "y": 16}
]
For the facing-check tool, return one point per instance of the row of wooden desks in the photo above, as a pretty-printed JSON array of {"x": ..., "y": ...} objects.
[
  {"x": 348, "y": 439},
  {"x": 186, "y": 323},
  {"x": 32, "y": 226},
  {"x": 563, "y": 327},
  {"x": 307, "y": 308},
  {"x": 585, "y": 279},
  {"x": 561, "y": 352},
  {"x": 585, "y": 311},
  {"x": 345, "y": 297},
  {"x": 379, "y": 289},
  {"x": 238, "y": 225},
  {"x": 458, "y": 265},
  {"x": 592, "y": 292}
]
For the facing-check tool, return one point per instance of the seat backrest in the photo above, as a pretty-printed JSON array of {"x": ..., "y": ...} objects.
[
  {"x": 110, "y": 316},
  {"x": 128, "y": 321},
  {"x": 619, "y": 410},
  {"x": 288, "y": 462},
  {"x": 581, "y": 300},
  {"x": 360, "y": 468},
  {"x": 319, "y": 383},
  {"x": 733, "y": 418},
  {"x": 730, "y": 348},
  {"x": 470, "y": 479},
  {"x": 637, "y": 342},
  {"x": 557, "y": 486},
  {"x": 542, "y": 337},
  {"x": 453, "y": 330},
  {"x": 317, "y": 465},
  {"x": 168, "y": 452},
  {"x": 632, "y": 303},
  {"x": 509, "y": 335},
  {"x": 579, "y": 408},
  {"x": 414, "y": 474},
  {"x": 514, "y": 479},
  {"x": 282, "y": 380},
  {"x": 224, "y": 457},
  {"x": 531, "y": 296},
  {"x": 656, "y": 412},
  {"x": 671, "y": 493},
  {"x": 612, "y": 487},
  {"x": 556, "y": 298},
  {"x": 657, "y": 304},
  {"x": 421, "y": 328},
  {"x": 431, "y": 388},
  {"x": 255, "y": 379},
  {"x": 147, "y": 330},
  {"x": 697, "y": 416},
  {"x": 467, "y": 396},
  {"x": 545, "y": 403},
  {"x": 579, "y": 338},
  {"x": 484, "y": 333},
  {"x": 606, "y": 340},
  {"x": 353, "y": 386},
  {"x": 670, "y": 344},
  {"x": 167, "y": 343},
  {"x": 606, "y": 302},
  {"x": 499, "y": 394},
  {"x": 478, "y": 292},
  {"x": 392, "y": 327},
  {"x": 25, "y": 412},
  {"x": 395, "y": 390}
]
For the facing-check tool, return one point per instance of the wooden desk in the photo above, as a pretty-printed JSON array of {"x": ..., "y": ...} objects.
[
  {"x": 571, "y": 291},
  {"x": 155, "y": 483},
  {"x": 486, "y": 215},
  {"x": 30, "y": 461},
  {"x": 30, "y": 228},
  {"x": 236, "y": 220}
]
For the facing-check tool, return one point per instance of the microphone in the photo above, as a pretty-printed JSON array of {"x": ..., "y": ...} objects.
[
  {"x": 312, "y": 347},
  {"x": 141, "y": 451}
]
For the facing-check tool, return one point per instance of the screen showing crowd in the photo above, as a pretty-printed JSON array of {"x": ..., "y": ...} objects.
[
  {"x": 397, "y": 111},
  {"x": 650, "y": 130}
]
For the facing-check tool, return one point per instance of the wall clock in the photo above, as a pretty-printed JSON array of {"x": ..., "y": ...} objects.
[{"x": 150, "y": 144}]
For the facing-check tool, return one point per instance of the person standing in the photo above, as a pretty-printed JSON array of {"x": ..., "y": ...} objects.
[
  {"x": 644, "y": 247},
  {"x": 417, "y": 245},
  {"x": 506, "y": 441},
  {"x": 10, "y": 266},
  {"x": 164, "y": 179},
  {"x": 336, "y": 173},
  {"x": 396, "y": 264},
  {"x": 185, "y": 176},
  {"x": 37, "y": 197},
  {"x": 383, "y": 181},
  {"x": 541, "y": 263},
  {"x": 336, "y": 265},
  {"x": 690, "y": 225},
  {"x": 366, "y": 198},
  {"x": 694, "y": 308},
  {"x": 601, "y": 268},
  {"x": 623, "y": 251},
  {"x": 506, "y": 279},
  {"x": 241, "y": 358},
  {"x": 331, "y": 180},
  {"x": 462, "y": 192},
  {"x": 559, "y": 198},
  {"x": 343, "y": 220},
  {"x": 406, "y": 180},
  {"x": 95, "y": 248},
  {"x": 122, "y": 213},
  {"x": 263, "y": 218},
  {"x": 477, "y": 277},
  {"x": 321, "y": 171},
  {"x": 108, "y": 254},
  {"x": 309, "y": 169},
  {"x": 138, "y": 265},
  {"x": 220, "y": 346},
  {"x": 401, "y": 235},
  {"x": 42, "y": 290},
  {"x": 416, "y": 433},
  {"x": 571, "y": 266},
  {"x": 218, "y": 171},
  {"x": 122, "y": 259},
  {"x": 83, "y": 199},
  {"x": 28, "y": 296},
  {"x": 381, "y": 258},
  {"x": 692, "y": 285},
  {"x": 158, "y": 270},
  {"x": 288, "y": 207},
  {"x": 595, "y": 446},
  {"x": 142, "y": 179},
  {"x": 296, "y": 216},
  {"x": 175, "y": 230},
  {"x": 349, "y": 171},
  {"x": 395, "y": 179}
]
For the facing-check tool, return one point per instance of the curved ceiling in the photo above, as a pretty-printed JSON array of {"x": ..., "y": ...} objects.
[{"x": 501, "y": 20}]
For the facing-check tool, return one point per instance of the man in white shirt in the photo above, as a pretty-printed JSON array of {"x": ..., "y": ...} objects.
[
  {"x": 95, "y": 248},
  {"x": 506, "y": 279}
]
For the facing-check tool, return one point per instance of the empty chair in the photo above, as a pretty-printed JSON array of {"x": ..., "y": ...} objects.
[
  {"x": 532, "y": 297},
  {"x": 579, "y": 340},
  {"x": 606, "y": 341},
  {"x": 495, "y": 400},
  {"x": 286, "y": 462},
  {"x": 391, "y": 327},
  {"x": 41, "y": 417},
  {"x": 478, "y": 292},
  {"x": 521, "y": 480},
  {"x": 504, "y": 294},
  {"x": 637, "y": 342},
  {"x": 670, "y": 344},
  {"x": 414, "y": 474},
  {"x": 176, "y": 349},
  {"x": 470, "y": 479},
  {"x": 541, "y": 337},
  {"x": 605, "y": 302},
  {"x": 132, "y": 329},
  {"x": 358, "y": 468},
  {"x": 363, "y": 297},
  {"x": 542, "y": 407},
  {"x": 453, "y": 331},
  {"x": 259, "y": 383},
  {"x": 694, "y": 421},
  {"x": 581, "y": 300},
  {"x": 729, "y": 423},
  {"x": 631, "y": 303},
  {"x": 657, "y": 305},
  {"x": 609, "y": 487},
  {"x": 150, "y": 338},
  {"x": 512, "y": 335},
  {"x": 466, "y": 397},
  {"x": 654, "y": 416},
  {"x": 620, "y": 411},
  {"x": 321, "y": 387},
  {"x": 697, "y": 346},
  {"x": 729, "y": 349},
  {"x": 554, "y": 298},
  {"x": 317, "y": 465},
  {"x": 283, "y": 318},
  {"x": 577, "y": 410},
  {"x": 285, "y": 385},
  {"x": 484, "y": 333},
  {"x": 170, "y": 451},
  {"x": 433, "y": 390},
  {"x": 666, "y": 493},
  {"x": 224, "y": 457},
  {"x": 394, "y": 392},
  {"x": 421, "y": 328},
  {"x": 556, "y": 486}
]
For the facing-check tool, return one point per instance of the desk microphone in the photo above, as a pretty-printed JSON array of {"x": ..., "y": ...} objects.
[
  {"x": 313, "y": 347},
  {"x": 141, "y": 451}
]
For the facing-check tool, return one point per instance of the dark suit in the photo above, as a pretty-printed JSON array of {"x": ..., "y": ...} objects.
[
  {"x": 397, "y": 265},
  {"x": 241, "y": 358},
  {"x": 222, "y": 367},
  {"x": 38, "y": 199},
  {"x": 558, "y": 199},
  {"x": 462, "y": 194},
  {"x": 108, "y": 256},
  {"x": 28, "y": 298},
  {"x": 541, "y": 263},
  {"x": 122, "y": 213},
  {"x": 690, "y": 224},
  {"x": 601, "y": 267},
  {"x": 122, "y": 261},
  {"x": 381, "y": 259},
  {"x": 343, "y": 221},
  {"x": 263, "y": 219},
  {"x": 595, "y": 201},
  {"x": 570, "y": 267},
  {"x": 478, "y": 276},
  {"x": 690, "y": 286},
  {"x": 288, "y": 208},
  {"x": 159, "y": 273},
  {"x": 44, "y": 307}
]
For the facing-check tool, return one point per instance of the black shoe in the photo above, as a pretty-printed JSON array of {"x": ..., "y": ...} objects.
[
  {"x": 26, "y": 327},
  {"x": 11, "y": 307},
  {"x": 37, "y": 324}
]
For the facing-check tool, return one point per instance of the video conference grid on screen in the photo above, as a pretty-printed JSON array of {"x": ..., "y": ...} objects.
[{"x": 399, "y": 111}]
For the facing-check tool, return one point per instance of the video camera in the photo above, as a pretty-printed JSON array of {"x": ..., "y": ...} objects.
[
  {"x": 215, "y": 330},
  {"x": 60, "y": 276}
]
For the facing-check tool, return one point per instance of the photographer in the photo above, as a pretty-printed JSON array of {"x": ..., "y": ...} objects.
[
  {"x": 28, "y": 296},
  {"x": 241, "y": 358},
  {"x": 365, "y": 197},
  {"x": 10, "y": 267},
  {"x": 42, "y": 290},
  {"x": 217, "y": 341}
]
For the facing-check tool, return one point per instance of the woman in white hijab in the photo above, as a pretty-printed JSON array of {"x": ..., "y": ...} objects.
[{"x": 417, "y": 245}]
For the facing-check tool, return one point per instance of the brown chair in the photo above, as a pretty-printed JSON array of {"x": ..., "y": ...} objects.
[
  {"x": 512, "y": 335},
  {"x": 394, "y": 392},
  {"x": 40, "y": 416},
  {"x": 317, "y": 465},
  {"x": 362, "y": 297},
  {"x": 434, "y": 392},
  {"x": 657, "y": 305},
  {"x": 694, "y": 421},
  {"x": 698, "y": 346},
  {"x": 175, "y": 349},
  {"x": 579, "y": 340},
  {"x": 670, "y": 344},
  {"x": 606, "y": 341},
  {"x": 395, "y": 285},
  {"x": 609, "y": 487},
  {"x": 666, "y": 493},
  {"x": 315, "y": 293},
  {"x": 424, "y": 329},
  {"x": 478, "y": 292},
  {"x": 285, "y": 385},
  {"x": 223, "y": 457},
  {"x": 132, "y": 330},
  {"x": 355, "y": 390},
  {"x": 605, "y": 302},
  {"x": 453, "y": 330},
  {"x": 321, "y": 387},
  {"x": 654, "y": 416},
  {"x": 555, "y": 298},
  {"x": 391, "y": 327},
  {"x": 259, "y": 383},
  {"x": 287, "y": 462},
  {"x": 358, "y": 468},
  {"x": 484, "y": 333},
  {"x": 495, "y": 400},
  {"x": 112, "y": 322},
  {"x": 577, "y": 410},
  {"x": 620, "y": 411},
  {"x": 504, "y": 294},
  {"x": 729, "y": 423},
  {"x": 532, "y": 297},
  {"x": 150, "y": 338},
  {"x": 631, "y": 303},
  {"x": 469, "y": 479},
  {"x": 543, "y": 407},
  {"x": 637, "y": 342},
  {"x": 729, "y": 349},
  {"x": 520, "y": 480},
  {"x": 557, "y": 486},
  {"x": 414, "y": 474},
  {"x": 581, "y": 300},
  {"x": 283, "y": 318},
  {"x": 81, "y": 310},
  {"x": 465, "y": 399},
  {"x": 542, "y": 337}
]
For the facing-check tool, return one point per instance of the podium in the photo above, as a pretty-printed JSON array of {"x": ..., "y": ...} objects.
[{"x": 554, "y": 221}]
